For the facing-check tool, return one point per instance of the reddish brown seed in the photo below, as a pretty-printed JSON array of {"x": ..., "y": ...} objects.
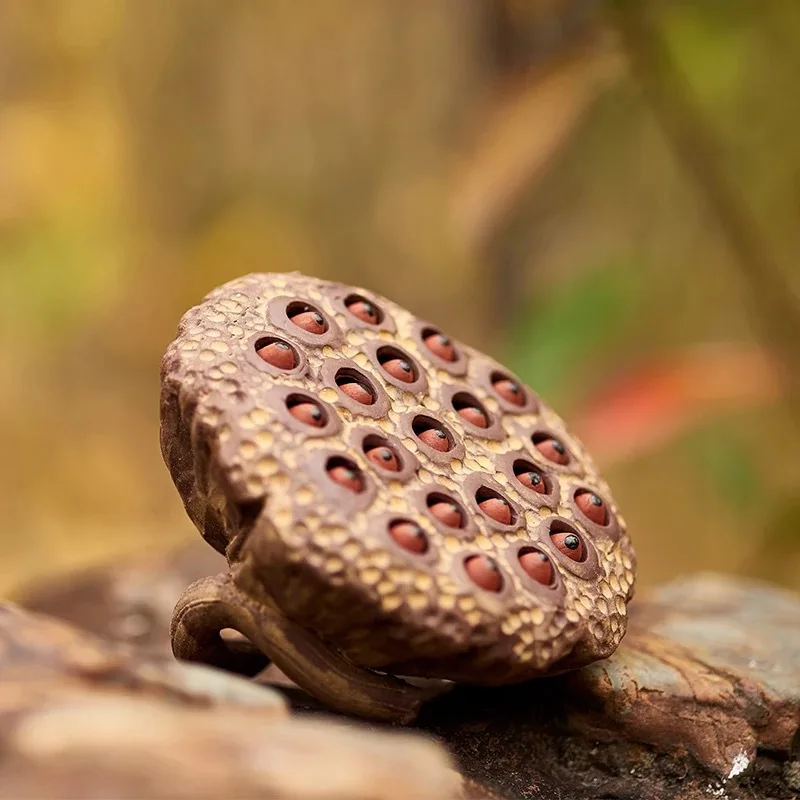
[
  {"x": 400, "y": 369},
  {"x": 435, "y": 438},
  {"x": 311, "y": 321},
  {"x": 447, "y": 513},
  {"x": 409, "y": 536},
  {"x": 384, "y": 458},
  {"x": 346, "y": 477},
  {"x": 592, "y": 507},
  {"x": 510, "y": 391},
  {"x": 355, "y": 391},
  {"x": 484, "y": 573},
  {"x": 532, "y": 480},
  {"x": 538, "y": 566},
  {"x": 569, "y": 544},
  {"x": 474, "y": 416},
  {"x": 278, "y": 354},
  {"x": 497, "y": 509},
  {"x": 440, "y": 345},
  {"x": 553, "y": 451},
  {"x": 308, "y": 413},
  {"x": 364, "y": 310}
]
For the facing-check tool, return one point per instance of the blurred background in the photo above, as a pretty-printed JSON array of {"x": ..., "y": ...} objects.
[{"x": 604, "y": 195}]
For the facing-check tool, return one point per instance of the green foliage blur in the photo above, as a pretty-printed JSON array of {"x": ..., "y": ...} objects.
[{"x": 480, "y": 162}]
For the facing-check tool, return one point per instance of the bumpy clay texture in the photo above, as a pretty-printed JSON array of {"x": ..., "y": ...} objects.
[{"x": 398, "y": 494}]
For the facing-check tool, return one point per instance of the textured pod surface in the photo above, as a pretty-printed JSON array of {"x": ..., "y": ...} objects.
[{"x": 254, "y": 474}]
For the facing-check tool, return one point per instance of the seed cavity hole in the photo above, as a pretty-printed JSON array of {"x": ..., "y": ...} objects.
[
  {"x": 382, "y": 454},
  {"x": 551, "y": 448},
  {"x": 440, "y": 345},
  {"x": 356, "y": 386},
  {"x": 531, "y": 477},
  {"x": 432, "y": 433},
  {"x": 495, "y": 506},
  {"x": 343, "y": 471},
  {"x": 397, "y": 364},
  {"x": 409, "y": 536},
  {"x": 508, "y": 389},
  {"x": 363, "y": 309},
  {"x": 307, "y": 317},
  {"x": 307, "y": 410},
  {"x": 484, "y": 572},
  {"x": 277, "y": 353},
  {"x": 446, "y": 510},
  {"x": 567, "y": 541},
  {"x": 470, "y": 410},
  {"x": 537, "y": 565},
  {"x": 592, "y": 506}
]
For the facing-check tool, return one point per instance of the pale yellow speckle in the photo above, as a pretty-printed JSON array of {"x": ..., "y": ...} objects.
[
  {"x": 452, "y": 544},
  {"x": 188, "y": 345},
  {"x": 381, "y": 559},
  {"x": 585, "y": 602},
  {"x": 613, "y": 582},
  {"x": 619, "y": 604},
  {"x": 399, "y": 575},
  {"x": 605, "y": 590},
  {"x": 386, "y": 587},
  {"x": 519, "y": 649},
  {"x": 264, "y": 439},
  {"x": 572, "y": 615},
  {"x": 328, "y": 351},
  {"x": 215, "y": 317},
  {"x": 423, "y": 581},
  {"x": 411, "y": 445},
  {"x": 456, "y": 466},
  {"x": 258, "y": 416},
  {"x": 391, "y": 603},
  {"x": 207, "y": 355},
  {"x": 235, "y": 330},
  {"x": 333, "y": 564},
  {"x": 361, "y": 360},
  {"x": 371, "y": 576},
  {"x": 526, "y": 636},
  {"x": 254, "y": 485},
  {"x": 247, "y": 450},
  {"x": 266, "y": 466},
  {"x": 466, "y": 603},
  {"x": 350, "y": 550},
  {"x": 471, "y": 465},
  {"x": 304, "y": 496},
  {"x": 283, "y": 518},
  {"x": 447, "y": 601},
  {"x": 417, "y": 601},
  {"x": 537, "y": 616},
  {"x": 425, "y": 476},
  {"x": 328, "y": 395},
  {"x": 473, "y": 617},
  {"x": 397, "y": 504},
  {"x": 228, "y": 367},
  {"x": 219, "y": 347},
  {"x": 483, "y": 542},
  {"x": 224, "y": 434}
]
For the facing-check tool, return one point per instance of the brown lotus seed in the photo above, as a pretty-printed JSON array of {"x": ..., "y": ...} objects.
[
  {"x": 440, "y": 345},
  {"x": 569, "y": 544},
  {"x": 496, "y": 508},
  {"x": 538, "y": 566},
  {"x": 409, "y": 536},
  {"x": 347, "y": 477},
  {"x": 355, "y": 391},
  {"x": 308, "y": 413},
  {"x": 532, "y": 480},
  {"x": 553, "y": 451},
  {"x": 278, "y": 354},
  {"x": 435, "y": 438},
  {"x": 474, "y": 416},
  {"x": 510, "y": 391},
  {"x": 311, "y": 321},
  {"x": 447, "y": 512},
  {"x": 592, "y": 507},
  {"x": 363, "y": 310},
  {"x": 400, "y": 369},
  {"x": 484, "y": 573},
  {"x": 384, "y": 458}
]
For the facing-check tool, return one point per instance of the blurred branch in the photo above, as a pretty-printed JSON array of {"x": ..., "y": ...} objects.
[{"x": 775, "y": 307}]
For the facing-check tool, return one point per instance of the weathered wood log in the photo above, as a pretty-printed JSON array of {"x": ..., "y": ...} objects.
[{"x": 702, "y": 699}]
